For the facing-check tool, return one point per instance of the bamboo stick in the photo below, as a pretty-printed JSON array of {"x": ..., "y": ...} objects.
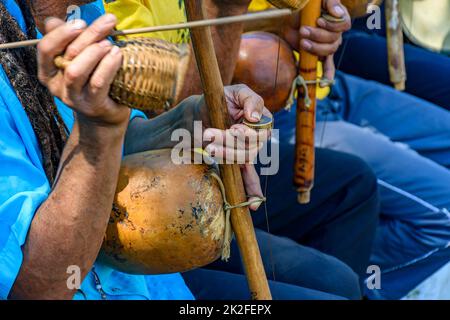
[
  {"x": 215, "y": 99},
  {"x": 306, "y": 114},
  {"x": 396, "y": 53}
]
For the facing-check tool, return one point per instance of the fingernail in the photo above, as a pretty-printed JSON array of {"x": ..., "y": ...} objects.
[
  {"x": 321, "y": 22},
  {"x": 77, "y": 24},
  {"x": 306, "y": 44},
  {"x": 256, "y": 116},
  {"x": 105, "y": 43},
  {"x": 114, "y": 51},
  {"x": 305, "y": 31},
  {"x": 110, "y": 18},
  {"x": 339, "y": 11}
]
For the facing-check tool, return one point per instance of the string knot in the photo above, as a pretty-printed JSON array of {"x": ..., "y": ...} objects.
[
  {"x": 299, "y": 81},
  {"x": 227, "y": 207}
]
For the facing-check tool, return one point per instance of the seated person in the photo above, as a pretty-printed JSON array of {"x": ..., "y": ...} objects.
[
  {"x": 407, "y": 148},
  {"x": 58, "y": 186},
  {"x": 427, "y": 71},
  {"x": 338, "y": 203}
]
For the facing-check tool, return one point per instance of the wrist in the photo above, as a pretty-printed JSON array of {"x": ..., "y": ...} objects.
[{"x": 98, "y": 134}]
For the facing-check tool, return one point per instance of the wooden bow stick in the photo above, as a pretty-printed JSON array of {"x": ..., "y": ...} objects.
[
  {"x": 306, "y": 111},
  {"x": 215, "y": 99},
  {"x": 273, "y": 14},
  {"x": 396, "y": 53}
]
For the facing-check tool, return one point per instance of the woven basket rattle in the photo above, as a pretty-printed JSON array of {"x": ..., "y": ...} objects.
[
  {"x": 289, "y": 4},
  {"x": 152, "y": 74}
]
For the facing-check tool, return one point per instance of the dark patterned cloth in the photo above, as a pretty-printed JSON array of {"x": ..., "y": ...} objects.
[{"x": 20, "y": 66}]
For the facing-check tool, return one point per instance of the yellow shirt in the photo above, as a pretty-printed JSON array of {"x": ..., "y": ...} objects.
[
  {"x": 144, "y": 13},
  {"x": 259, "y": 5}
]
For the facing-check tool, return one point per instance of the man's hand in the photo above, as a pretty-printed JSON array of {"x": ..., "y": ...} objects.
[
  {"x": 323, "y": 41},
  {"x": 85, "y": 82},
  {"x": 240, "y": 142}
]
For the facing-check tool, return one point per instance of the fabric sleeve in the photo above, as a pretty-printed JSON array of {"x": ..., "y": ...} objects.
[{"x": 23, "y": 188}]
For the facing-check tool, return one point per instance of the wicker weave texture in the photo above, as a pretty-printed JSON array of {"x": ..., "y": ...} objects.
[
  {"x": 152, "y": 72},
  {"x": 289, "y": 4}
]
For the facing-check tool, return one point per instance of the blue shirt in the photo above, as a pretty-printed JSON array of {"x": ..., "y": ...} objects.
[{"x": 24, "y": 186}]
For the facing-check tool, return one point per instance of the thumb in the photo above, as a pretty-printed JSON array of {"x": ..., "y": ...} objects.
[
  {"x": 250, "y": 102},
  {"x": 335, "y": 8}
]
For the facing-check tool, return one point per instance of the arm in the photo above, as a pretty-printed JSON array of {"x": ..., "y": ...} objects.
[
  {"x": 69, "y": 226},
  {"x": 227, "y": 40}
]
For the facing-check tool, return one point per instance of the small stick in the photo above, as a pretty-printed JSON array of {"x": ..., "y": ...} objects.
[
  {"x": 231, "y": 174},
  {"x": 271, "y": 14},
  {"x": 396, "y": 53},
  {"x": 306, "y": 114}
]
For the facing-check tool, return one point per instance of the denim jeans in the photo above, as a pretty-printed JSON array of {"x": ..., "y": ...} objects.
[
  {"x": 301, "y": 252},
  {"x": 406, "y": 141},
  {"x": 365, "y": 55},
  {"x": 301, "y": 273}
]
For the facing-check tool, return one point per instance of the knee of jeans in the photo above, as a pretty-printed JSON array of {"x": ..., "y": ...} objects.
[
  {"x": 346, "y": 281},
  {"x": 352, "y": 287},
  {"x": 365, "y": 180}
]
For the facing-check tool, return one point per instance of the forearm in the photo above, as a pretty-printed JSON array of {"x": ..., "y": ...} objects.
[
  {"x": 227, "y": 40},
  {"x": 69, "y": 227},
  {"x": 143, "y": 135}
]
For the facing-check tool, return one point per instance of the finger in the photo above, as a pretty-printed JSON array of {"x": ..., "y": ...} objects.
[
  {"x": 103, "y": 76},
  {"x": 54, "y": 44},
  {"x": 335, "y": 26},
  {"x": 250, "y": 136},
  {"x": 78, "y": 72},
  {"x": 335, "y": 8},
  {"x": 329, "y": 69},
  {"x": 251, "y": 103},
  {"x": 232, "y": 155},
  {"x": 319, "y": 35},
  {"x": 320, "y": 49},
  {"x": 52, "y": 23},
  {"x": 237, "y": 137},
  {"x": 99, "y": 30},
  {"x": 252, "y": 185}
]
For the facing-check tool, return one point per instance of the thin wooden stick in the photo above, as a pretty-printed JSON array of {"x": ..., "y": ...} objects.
[
  {"x": 396, "y": 53},
  {"x": 306, "y": 112},
  {"x": 271, "y": 14},
  {"x": 218, "y": 112}
]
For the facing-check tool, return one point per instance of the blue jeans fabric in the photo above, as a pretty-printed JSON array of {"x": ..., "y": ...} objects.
[
  {"x": 339, "y": 222},
  {"x": 301, "y": 273},
  {"x": 406, "y": 141},
  {"x": 365, "y": 55}
]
